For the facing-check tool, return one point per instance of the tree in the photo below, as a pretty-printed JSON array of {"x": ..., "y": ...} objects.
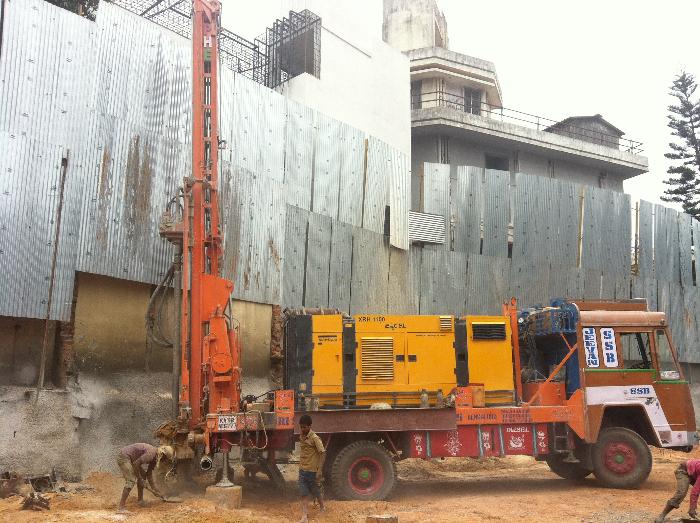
[
  {"x": 86, "y": 8},
  {"x": 684, "y": 120}
]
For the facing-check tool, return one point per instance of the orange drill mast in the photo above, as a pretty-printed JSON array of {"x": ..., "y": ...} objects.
[{"x": 210, "y": 359}]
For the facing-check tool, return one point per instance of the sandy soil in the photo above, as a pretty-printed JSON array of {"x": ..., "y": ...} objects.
[{"x": 513, "y": 489}]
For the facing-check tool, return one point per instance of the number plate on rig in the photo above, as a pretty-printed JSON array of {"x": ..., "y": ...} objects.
[{"x": 226, "y": 423}]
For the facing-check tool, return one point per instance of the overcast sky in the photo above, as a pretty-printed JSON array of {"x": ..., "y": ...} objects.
[{"x": 559, "y": 58}]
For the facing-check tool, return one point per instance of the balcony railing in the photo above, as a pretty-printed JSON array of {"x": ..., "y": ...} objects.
[{"x": 540, "y": 123}]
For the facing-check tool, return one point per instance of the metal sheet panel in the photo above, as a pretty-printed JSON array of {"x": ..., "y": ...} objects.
[
  {"x": 326, "y": 165},
  {"x": 299, "y": 155},
  {"x": 370, "y": 266},
  {"x": 257, "y": 220},
  {"x": 29, "y": 199},
  {"x": 685, "y": 249},
  {"x": 436, "y": 189},
  {"x": 496, "y": 213},
  {"x": 529, "y": 282},
  {"x": 691, "y": 327},
  {"x": 294, "y": 256},
  {"x": 399, "y": 199},
  {"x": 340, "y": 266},
  {"x": 376, "y": 185},
  {"x": 466, "y": 209},
  {"x": 400, "y": 294},
  {"x": 666, "y": 247},
  {"x": 427, "y": 228},
  {"x": 488, "y": 284},
  {"x": 318, "y": 253},
  {"x": 443, "y": 282},
  {"x": 645, "y": 251},
  {"x": 352, "y": 175},
  {"x": 533, "y": 228},
  {"x": 646, "y": 288}
]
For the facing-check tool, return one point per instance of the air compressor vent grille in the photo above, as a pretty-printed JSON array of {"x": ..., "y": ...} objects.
[
  {"x": 377, "y": 358},
  {"x": 488, "y": 331},
  {"x": 445, "y": 323}
]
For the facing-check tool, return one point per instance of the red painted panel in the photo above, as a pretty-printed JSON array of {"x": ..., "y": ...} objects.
[
  {"x": 461, "y": 442},
  {"x": 517, "y": 439},
  {"x": 542, "y": 438},
  {"x": 490, "y": 440}
]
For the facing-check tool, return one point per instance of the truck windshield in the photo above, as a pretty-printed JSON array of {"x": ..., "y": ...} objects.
[{"x": 636, "y": 350}]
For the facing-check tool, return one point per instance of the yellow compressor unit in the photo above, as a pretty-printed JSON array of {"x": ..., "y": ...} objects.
[{"x": 358, "y": 361}]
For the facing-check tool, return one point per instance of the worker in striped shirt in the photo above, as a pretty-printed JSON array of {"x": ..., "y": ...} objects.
[{"x": 686, "y": 474}]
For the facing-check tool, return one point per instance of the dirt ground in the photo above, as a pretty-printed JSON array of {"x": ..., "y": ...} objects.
[{"x": 513, "y": 489}]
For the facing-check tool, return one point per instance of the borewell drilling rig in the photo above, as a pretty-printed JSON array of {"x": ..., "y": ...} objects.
[{"x": 210, "y": 417}]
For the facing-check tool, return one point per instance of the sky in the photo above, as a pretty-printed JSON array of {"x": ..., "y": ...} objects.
[{"x": 559, "y": 58}]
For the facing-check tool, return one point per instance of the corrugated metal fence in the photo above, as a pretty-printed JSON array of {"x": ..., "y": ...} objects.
[{"x": 116, "y": 94}]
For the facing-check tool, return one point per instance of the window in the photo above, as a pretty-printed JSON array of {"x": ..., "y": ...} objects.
[
  {"x": 416, "y": 98},
  {"x": 498, "y": 163},
  {"x": 636, "y": 350},
  {"x": 472, "y": 101},
  {"x": 664, "y": 355}
]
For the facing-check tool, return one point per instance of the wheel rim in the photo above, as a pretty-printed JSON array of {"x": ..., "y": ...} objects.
[
  {"x": 366, "y": 476},
  {"x": 620, "y": 457}
]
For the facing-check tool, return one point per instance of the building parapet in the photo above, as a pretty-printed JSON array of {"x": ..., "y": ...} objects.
[{"x": 458, "y": 103}]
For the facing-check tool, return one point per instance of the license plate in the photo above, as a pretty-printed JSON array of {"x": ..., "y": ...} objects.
[{"x": 226, "y": 423}]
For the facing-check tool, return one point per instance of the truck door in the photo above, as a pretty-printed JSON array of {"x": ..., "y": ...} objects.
[{"x": 672, "y": 391}]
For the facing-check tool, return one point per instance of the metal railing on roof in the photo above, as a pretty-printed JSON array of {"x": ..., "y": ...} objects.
[{"x": 479, "y": 108}]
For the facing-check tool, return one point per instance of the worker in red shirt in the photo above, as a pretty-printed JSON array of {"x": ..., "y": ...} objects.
[{"x": 686, "y": 474}]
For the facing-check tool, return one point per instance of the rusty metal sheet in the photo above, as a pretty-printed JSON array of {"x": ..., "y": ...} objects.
[{"x": 365, "y": 420}]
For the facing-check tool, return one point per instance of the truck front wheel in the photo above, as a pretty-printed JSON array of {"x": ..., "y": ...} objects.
[
  {"x": 363, "y": 470},
  {"x": 621, "y": 458}
]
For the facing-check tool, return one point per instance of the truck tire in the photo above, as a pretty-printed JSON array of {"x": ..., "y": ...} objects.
[
  {"x": 570, "y": 471},
  {"x": 364, "y": 470},
  {"x": 621, "y": 458}
]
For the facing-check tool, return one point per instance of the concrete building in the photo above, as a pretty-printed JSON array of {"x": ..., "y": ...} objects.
[
  {"x": 458, "y": 115},
  {"x": 349, "y": 47}
]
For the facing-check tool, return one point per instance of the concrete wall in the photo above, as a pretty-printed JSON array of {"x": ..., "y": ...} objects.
[
  {"x": 21, "y": 340},
  {"x": 364, "y": 82},
  {"x": 413, "y": 24}
]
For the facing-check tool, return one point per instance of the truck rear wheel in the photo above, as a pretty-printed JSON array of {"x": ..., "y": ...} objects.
[
  {"x": 621, "y": 458},
  {"x": 571, "y": 471},
  {"x": 363, "y": 470}
]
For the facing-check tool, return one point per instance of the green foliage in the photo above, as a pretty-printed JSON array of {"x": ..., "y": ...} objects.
[
  {"x": 684, "y": 121},
  {"x": 86, "y": 8}
]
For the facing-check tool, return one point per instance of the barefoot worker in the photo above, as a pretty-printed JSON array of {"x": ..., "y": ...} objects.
[
  {"x": 686, "y": 474},
  {"x": 311, "y": 457},
  {"x": 130, "y": 460}
]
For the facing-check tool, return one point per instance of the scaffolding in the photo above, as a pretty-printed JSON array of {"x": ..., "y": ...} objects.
[{"x": 290, "y": 47}]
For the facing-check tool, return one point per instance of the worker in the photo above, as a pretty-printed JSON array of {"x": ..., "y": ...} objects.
[
  {"x": 311, "y": 457},
  {"x": 130, "y": 460},
  {"x": 686, "y": 474}
]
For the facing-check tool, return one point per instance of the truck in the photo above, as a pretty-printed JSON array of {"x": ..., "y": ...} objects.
[{"x": 585, "y": 386}]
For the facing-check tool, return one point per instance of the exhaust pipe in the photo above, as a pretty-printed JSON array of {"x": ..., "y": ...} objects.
[{"x": 206, "y": 463}]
